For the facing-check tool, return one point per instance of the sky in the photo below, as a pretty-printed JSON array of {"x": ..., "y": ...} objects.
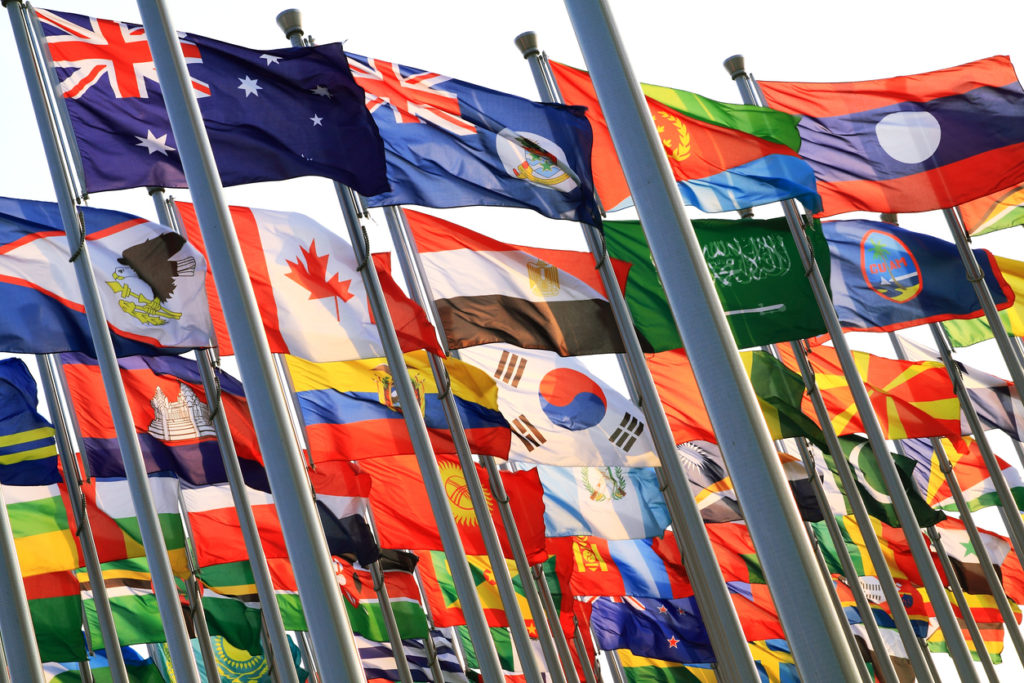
[{"x": 669, "y": 43}]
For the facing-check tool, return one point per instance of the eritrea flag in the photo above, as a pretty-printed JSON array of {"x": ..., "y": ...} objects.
[{"x": 725, "y": 156}]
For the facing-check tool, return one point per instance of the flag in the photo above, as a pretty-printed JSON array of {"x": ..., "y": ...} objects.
[
  {"x": 989, "y": 620},
  {"x": 871, "y": 483},
  {"x": 40, "y": 523},
  {"x": 487, "y": 291},
  {"x": 379, "y": 659},
  {"x": 363, "y": 606},
  {"x": 970, "y": 470},
  {"x": 115, "y": 525},
  {"x": 55, "y": 603},
  {"x": 733, "y": 548},
  {"x": 139, "y": 669},
  {"x": 599, "y": 566},
  {"x": 232, "y": 663},
  {"x": 639, "y": 669},
  {"x": 909, "y": 143},
  {"x": 757, "y": 272},
  {"x": 964, "y": 556},
  {"x": 892, "y": 540},
  {"x": 352, "y": 409},
  {"x": 216, "y": 530},
  {"x": 661, "y": 629},
  {"x": 561, "y": 413},
  {"x": 28, "y": 451},
  {"x": 444, "y": 601},
  {"x": 725, "y": 156},
  {"x": 911, "y": 399},
  {"x": 610, "y": 502},
  {"x": 149, "y": 281},
  {"x": 779, "y": 390},
  {"x": 995, "y": 211},
  {"x": 269, "y": 115},
  {"x": 406, "y": 521},
  {"x": 309, "y": 290},
  {"x": 681, "y": 398},
  {"x": 171, "y": 416},
  {"x": 235, "y": 580},
  {"x": 508, "y": 656},
  {"x": 449, "y": 143},
  {"x": 237, "y": 622},
  {"x": 968, "y": 332},
  {"x": 887, "y": 278},
  {"x": 710, "y": 482}
]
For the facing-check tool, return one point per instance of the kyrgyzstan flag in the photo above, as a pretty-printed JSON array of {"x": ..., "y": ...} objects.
[{"x": 309, "y": 289}]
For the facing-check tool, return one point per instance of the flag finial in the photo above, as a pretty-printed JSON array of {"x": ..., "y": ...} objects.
[
  {"x": 290, "y": 22},
  {"x": 734, "y": 65},
  {"x": 527, "y": 44}
]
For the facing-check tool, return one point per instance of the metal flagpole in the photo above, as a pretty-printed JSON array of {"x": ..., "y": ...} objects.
[
  {"x": 860, "y": 513},
  {"x": 420, "y": 290},
  {"x": 977, "y": 279},
  {"x": 552, "y": 614},
  {"x": 720, "y": 616},
  {"x": 309, "y": 654},
  {"x": 581, "y": 649},
  {"x": 135, "y": 470},
  {"x": 918, "y": 548},
  {"x": 397, "y": 647},
  {"x": 435, "y": 664},
  {"x": 290, "y": 23},
  {"x": 615, "y": 666},
  {"x": 194, "y": 595},
  {"x": 328, "y": 622},
  {"x": 965, "y": 611},
  {"x": 66, "y": 451},
  {"x": 280, "y": 652},
  {"x": 805, "y": 609}
]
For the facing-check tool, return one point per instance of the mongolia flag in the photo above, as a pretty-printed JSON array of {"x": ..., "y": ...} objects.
[
  {"x": 910, "y": 143},
  {"x": 309, "y": 289},
  {"x": 598, "y": 566},
  {"x": 725, "y": 156}
]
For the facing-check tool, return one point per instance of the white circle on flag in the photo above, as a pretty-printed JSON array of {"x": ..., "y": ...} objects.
[
  {"x": 909, "y": 137},
  {"x": 535, "y": 159}
]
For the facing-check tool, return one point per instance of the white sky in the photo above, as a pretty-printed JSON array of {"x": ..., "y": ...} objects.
[{"x": 678, "y": 44}]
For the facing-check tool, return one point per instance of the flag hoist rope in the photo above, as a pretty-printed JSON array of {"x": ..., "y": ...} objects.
[
  {"x": 919, "y": 549},
  {"x": 149, "y": 526}
]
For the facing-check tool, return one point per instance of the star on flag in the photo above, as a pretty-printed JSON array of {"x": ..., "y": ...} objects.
[
  {"x": 153, "y": 143},
  {"x": 673, "y": 642},
  {"x": 317, "y": 120},
  {"x": 250, "y": 85},
  {"x": 270, "y": 59}
]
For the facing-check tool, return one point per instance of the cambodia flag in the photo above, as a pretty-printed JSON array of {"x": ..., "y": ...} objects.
[{"x": 910, "y": 143}]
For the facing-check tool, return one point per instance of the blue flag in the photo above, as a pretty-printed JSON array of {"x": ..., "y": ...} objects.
[
  {"x": 28, "y": 452},
  {"x": 885, "y": 278},
  {"x": 151, "y": 283},
  {"x": 450, "y": 143},
  {"x": 270, "y": 114},
  {"x": 672, "y": 630}
]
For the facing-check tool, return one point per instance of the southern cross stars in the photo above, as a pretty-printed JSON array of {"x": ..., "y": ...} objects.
[
  {"x": 673, "y": 642},
  {"x": 153, "y": 143},
  {"x": 250, "y": 86},
  {"x": 271, "y": 59},
  {"x": 316, "y": 120},
  {"x": 322, "y": 91}
]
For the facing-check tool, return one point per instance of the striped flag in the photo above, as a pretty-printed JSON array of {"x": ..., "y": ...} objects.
[
  {"x": 971, "y": 474},
  {"x": 598, "y": 566},
  {"x": 996, "y": 211},
  {"x": 28, "y": 451},
  {"x": 487, "y": 291},
  {"x": 363, "y": 605},
  {"x": 379, "y": 659},
  {"x": 217, "y": 530},
  {"x": 55, "y": 603},
  {"x": 40, "y": 522},
  {"x": 235, "y": 580},
  {"x": 990, "y": 622},
  {"x": 964, "y": 556},
  {"x": 968, "y": 332}
]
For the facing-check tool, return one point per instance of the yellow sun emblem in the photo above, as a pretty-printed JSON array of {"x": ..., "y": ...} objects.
[{"x": 458, "y": 494}]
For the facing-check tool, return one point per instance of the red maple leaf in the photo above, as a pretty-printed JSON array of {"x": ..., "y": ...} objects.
[{"x": 312, "y": 276}]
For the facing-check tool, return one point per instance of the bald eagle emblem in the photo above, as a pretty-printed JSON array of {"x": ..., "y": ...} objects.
[{"x": 145, "y": 280}]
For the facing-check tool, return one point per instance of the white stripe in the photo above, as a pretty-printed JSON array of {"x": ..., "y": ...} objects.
[
  {"x": 218, "y": 497},
  {"x": 28, "y": 494},
  {"x": 342, "y": 506},
  {"x": 113, "y": 497}
]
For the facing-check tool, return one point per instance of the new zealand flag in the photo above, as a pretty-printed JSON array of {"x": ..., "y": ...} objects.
[{"x": 270, "y": 115}]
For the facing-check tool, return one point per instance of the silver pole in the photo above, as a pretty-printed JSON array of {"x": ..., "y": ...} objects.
[
  {"x": 418, "y": 287},
  {"x": 92, "y": 561},
  {"x": 722, "y": 622},
  {"x": 328, "y": 622},
  {"x": 202, "y": 630},
  {"x": 977, "y": 279},
  {"x": 804, "y": 606},
  {"x": 860, "y": 513},
  {"x": 135, "y": 470},
  {"x": 965, "y": 611},
  {"x": 310, "y": 656},
  {"x": 551, "y": 613},
  {"x": 280, "y": 652},
  {"x": 615, "y": 666},
  {"x": 581, "y": 649},
  {"x": 918, "y": 548},
  {"x": 397, "y": 648},
  {"x": 435, "y": 664}
]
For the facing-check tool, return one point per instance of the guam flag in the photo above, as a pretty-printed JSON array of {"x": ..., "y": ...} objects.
[
  {"x": 885, "y": 278},
  {"x": 910, "y": 143}
]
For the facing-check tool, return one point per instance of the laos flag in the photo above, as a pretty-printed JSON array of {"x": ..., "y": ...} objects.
[{"x": 910, "y": 143}]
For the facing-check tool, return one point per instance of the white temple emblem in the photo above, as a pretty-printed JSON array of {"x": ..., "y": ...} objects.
[{"x": 186, "y": 418}]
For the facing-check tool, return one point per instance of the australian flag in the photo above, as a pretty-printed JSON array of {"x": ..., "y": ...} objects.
[
  {"x": 270, "y": 115},
  {"x": 450, "y": 143}
]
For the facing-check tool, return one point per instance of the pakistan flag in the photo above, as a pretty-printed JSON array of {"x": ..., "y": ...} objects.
[{"x": 757, "y": 272}]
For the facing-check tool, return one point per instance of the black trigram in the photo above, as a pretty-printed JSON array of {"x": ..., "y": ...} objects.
[
  {"x": 626, "y": 434},
  {"x": 527, "y": 433},
  {"x": 510, "y": 368}
]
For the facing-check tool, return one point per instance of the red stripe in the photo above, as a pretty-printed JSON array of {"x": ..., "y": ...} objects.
[
  {"x": 53, "y": 585},
  {"x": 218, "y": 534},
  {"x": 380, "y": 438},
  {"x": 836, "y": 99}
]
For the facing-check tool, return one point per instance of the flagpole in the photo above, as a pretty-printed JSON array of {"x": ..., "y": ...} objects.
[
  {"x": 720, "y": 616},
  {"x": 918, "y": 548},
  {"x": 552, "y": 614},
  {"x": 280, "y": 652},
  {"x": 380, "y": 587},
  {"x": 615, "y": 666},
  {"x": 19, "y": 641},
  {"x": 581, "y": 649},
  {"x": 328, "y": 622},
  {"x": 946, "y": 467},
  {"x": 863, "y": 519},
  {"x": 135, "y": 470},
  {"x": 420, "y": 291},
  {"x": 435, "y": 664},
  {"x": 977, "y": 279},
  {"x": 815, "y": 633},
  {"x": 81, "y": 518},
  {"x": 965, "y": 610}
]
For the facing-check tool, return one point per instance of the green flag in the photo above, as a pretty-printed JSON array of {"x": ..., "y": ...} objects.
[
  {"x": 55, "y": 602},
  {"x": 967, "y": 332},
  {"x": 132, "y": 602},
  {"x": 756, "y": 268},
  {"x": 779, "y": 392}
]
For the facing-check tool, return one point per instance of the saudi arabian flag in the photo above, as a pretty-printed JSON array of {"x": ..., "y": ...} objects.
[
  {"x": 757, "y": 272},
  {"x": 967, "y": 332}
]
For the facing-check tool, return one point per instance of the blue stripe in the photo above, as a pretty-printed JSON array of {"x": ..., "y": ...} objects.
[
  {"x": 31, "y": 473},
  {"x": 327, "y": 406},
  {"x": 643, "y": 573},
  {"x": 846, "y": 147},
  {"x": 761, "y": 181},
  {"x": 14, "y": 449}
]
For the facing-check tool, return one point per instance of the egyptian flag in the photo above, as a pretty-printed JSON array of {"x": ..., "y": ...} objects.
[{"x": 487, "y": 291}]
